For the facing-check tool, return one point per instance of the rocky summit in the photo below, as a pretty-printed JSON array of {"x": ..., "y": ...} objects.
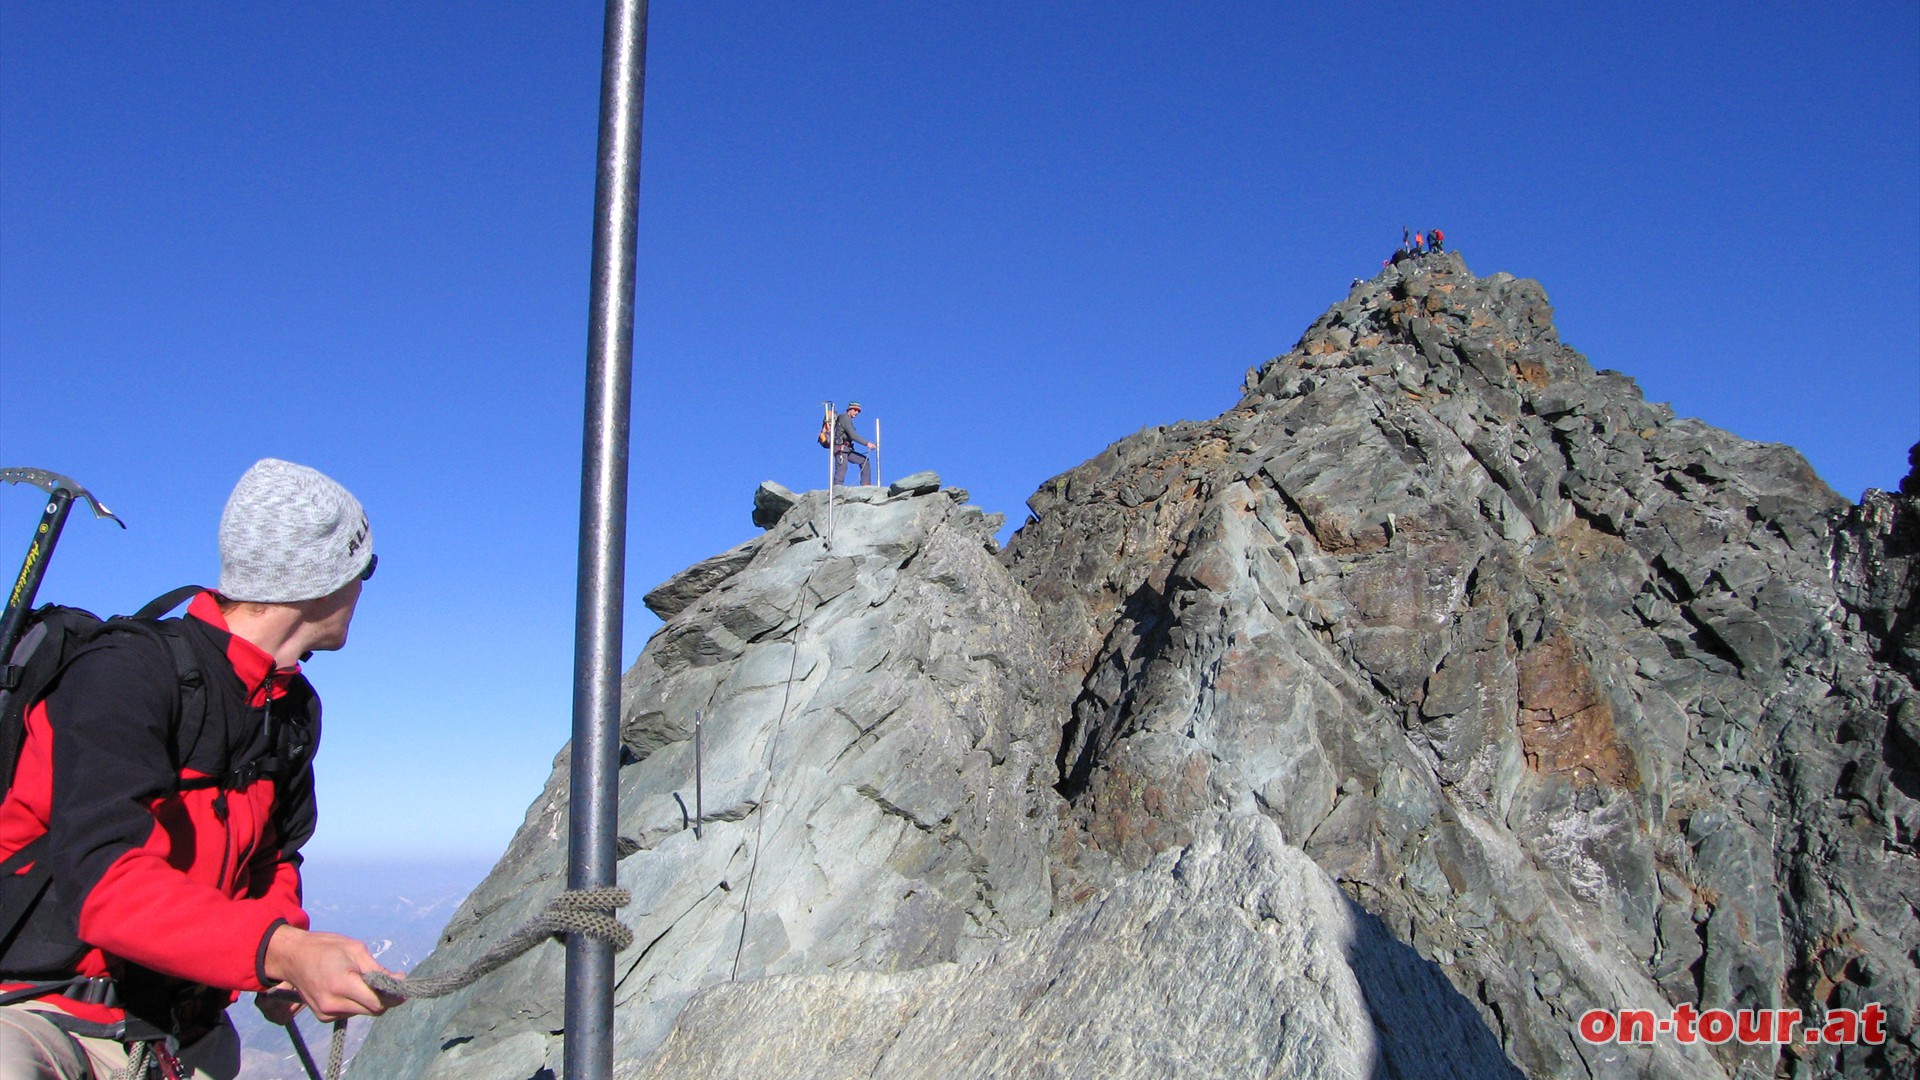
[{"x": 1440, "y": 692}]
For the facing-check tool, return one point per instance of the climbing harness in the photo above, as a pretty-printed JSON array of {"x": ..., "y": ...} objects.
[{"x": 139, "y": 1065}]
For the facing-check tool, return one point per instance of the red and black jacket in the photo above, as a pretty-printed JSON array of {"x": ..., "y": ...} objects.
[{"x": 166, "y": 819}]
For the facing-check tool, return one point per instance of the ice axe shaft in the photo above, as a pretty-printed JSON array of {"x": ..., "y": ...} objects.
[{"x": 61, "y": 491}]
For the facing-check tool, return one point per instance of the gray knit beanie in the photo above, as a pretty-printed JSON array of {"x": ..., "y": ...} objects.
[{"x": 290, "y": 533}]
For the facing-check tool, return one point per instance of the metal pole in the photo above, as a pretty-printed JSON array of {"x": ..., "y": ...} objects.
[
  {"x": 594, "y": 795},
  {"x": 833, "y": 451},
  {"x": 877, "y": 478},
  {"x": 699, "y": 794}
]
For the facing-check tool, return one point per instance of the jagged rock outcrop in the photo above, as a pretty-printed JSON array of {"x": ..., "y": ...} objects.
[
  {"x": 877, "y": 775},
  {"x": 1440, "y": 691},
  {"x": 1554, "y": 683}
]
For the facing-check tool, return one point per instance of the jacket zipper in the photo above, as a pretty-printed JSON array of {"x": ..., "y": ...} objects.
[{"x": 220, "y": 808}]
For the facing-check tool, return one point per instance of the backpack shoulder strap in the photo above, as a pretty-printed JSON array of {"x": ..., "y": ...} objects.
[
  {"x": 191, "y": 698},
  {"x": 160, "y": 606},
  {"x": 270, "y": 759},
  {"x": 53, "y": 634}
]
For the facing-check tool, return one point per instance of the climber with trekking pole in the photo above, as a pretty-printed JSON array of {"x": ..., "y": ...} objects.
[
  {"x": 844, "y": 440},
  {"x": 150, "y": 838}
]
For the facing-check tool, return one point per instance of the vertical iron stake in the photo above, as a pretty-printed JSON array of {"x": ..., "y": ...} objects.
[
  {"x": 594, "y": 795},
  {"x": 699, "y": 798},
  {"x": 833, "y": 461}
]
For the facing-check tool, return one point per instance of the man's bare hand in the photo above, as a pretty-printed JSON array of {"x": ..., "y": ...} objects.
[{"x": 325, "y": 970}]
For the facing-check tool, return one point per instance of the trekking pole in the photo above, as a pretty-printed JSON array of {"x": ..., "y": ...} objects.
[
  {"x": 699, "y": 801},
  {"x": 593, "y": 801},
  {"x": 61, "y": 492}
]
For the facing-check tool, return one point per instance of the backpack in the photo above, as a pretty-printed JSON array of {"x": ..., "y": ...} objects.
[
  {"x": 826, "y": 430},
  {"x": 53, "y": 634}
]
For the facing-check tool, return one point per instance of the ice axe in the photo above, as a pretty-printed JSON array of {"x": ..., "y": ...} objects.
[{"x": 61, "y": 491}]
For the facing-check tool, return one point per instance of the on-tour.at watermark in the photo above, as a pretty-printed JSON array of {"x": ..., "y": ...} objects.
[{"x": 1750, "y": 1027}]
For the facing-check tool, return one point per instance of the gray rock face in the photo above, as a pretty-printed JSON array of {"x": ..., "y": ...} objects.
[
  {"x": 877, "y": 795},
  {"x": 1442, "y": 690},
  {"x": 1557, "y": 685},
  {"x": 1235, "y": 956},
  {"x": 770, "y": 501},
  {"x": 919, "y": 483}
]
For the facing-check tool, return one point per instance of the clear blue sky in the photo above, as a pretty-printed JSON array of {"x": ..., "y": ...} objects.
[{"x": 356, "y": 235}]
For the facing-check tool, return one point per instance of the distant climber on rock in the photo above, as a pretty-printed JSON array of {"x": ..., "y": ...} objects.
[
  {"x": 844, "y": 438},
  {"x": 1436, "y": 240},
  {"x": 1419, "y": 243}
]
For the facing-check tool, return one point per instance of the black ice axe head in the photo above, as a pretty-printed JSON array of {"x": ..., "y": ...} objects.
[{"x": 61, "y": 491}]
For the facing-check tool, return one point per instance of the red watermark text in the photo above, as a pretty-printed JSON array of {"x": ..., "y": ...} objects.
[{"x": 1686, "y": 1024}]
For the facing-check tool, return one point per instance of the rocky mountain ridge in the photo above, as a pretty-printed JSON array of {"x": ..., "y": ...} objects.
[{"x": 1440, "y": 691}]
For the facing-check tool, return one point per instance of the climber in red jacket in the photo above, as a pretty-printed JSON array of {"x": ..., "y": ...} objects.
[{"x": 149, "y": 845}]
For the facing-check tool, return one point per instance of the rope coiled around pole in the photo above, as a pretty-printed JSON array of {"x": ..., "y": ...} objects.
[{"x": 587, "y": 912}]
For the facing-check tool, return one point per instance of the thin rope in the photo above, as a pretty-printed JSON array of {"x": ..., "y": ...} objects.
[
  {"x": 137, "y": 1063},
  {"x": 773, "y": 752},
  {"x": 586, "y": 912},
  {"x": 337, "y": 1049}
]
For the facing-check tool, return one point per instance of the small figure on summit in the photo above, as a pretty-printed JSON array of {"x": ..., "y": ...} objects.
[
  {"x": 1415, "y": 244},
  {"x": 844, "y": 437}
]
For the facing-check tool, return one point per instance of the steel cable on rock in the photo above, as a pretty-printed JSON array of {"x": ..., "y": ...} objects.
[{"x": 773, "y": 749}]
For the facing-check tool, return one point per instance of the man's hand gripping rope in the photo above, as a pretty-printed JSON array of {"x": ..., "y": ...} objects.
[{"x": 587, "y": 912}]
